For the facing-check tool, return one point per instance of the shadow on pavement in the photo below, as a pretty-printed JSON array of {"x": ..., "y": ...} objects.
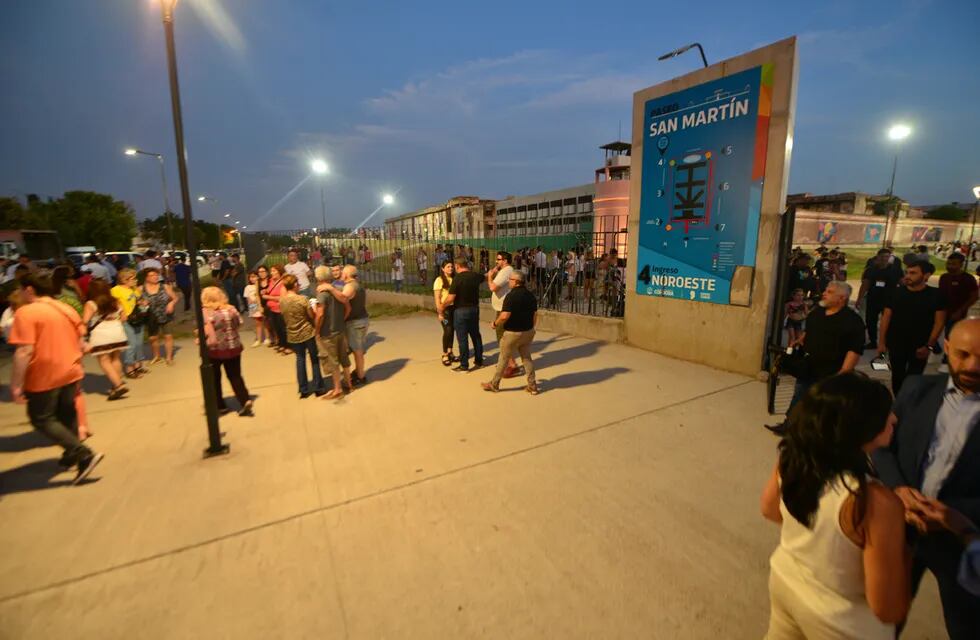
[
  {"x": 372, "y": 339},
  {"x": 96, "y": 383},
  {"x": 33, "y": 477},
  {"x": 385, "y": 370},
  {"x": 581, "y": 378},
  {"x": 23, "y": 442},
  {"x": 563, "y": 356}
]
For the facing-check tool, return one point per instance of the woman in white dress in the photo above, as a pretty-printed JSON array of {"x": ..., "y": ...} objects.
[
  {"x": 103, "y": 316},
  {"x": 842, "y": 566}
]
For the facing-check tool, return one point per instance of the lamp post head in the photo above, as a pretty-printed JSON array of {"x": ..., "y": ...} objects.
[
  {"x": 319, "y": 167},
  {"x": 202, "y": 198},
  {"x": 388, "y": 199},
  {"x": 227, "y": 215},
  {"x": 130, "y": 152},
  {"x": 976, "y": 192},
  {"x": 899, "y": 132}
]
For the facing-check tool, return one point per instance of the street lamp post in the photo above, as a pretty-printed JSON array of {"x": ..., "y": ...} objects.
[
  {"x": 215, "y": 203},
  {"x": 897, "y": 133},
  {"x": 684, "y": 49},
  {"x": 320, "y": 168},
  {"x": 163, "y": 179},
  {"x": 215, "y": 446}
]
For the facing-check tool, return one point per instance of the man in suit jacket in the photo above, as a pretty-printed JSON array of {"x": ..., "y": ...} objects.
[{"x": 935, "y": 454}]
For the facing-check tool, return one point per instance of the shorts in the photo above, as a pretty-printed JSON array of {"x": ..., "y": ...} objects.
[
  {"x": 155, "y": 328},
  {"x": 795, "y": 325},
  {"x": 333, "y": 352},
  {"x": 357, "y": 334}
]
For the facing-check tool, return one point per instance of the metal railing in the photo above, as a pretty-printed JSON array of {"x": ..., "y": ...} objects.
[{"x": 585, "y": 285}]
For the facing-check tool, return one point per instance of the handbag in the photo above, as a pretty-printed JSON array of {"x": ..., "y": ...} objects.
[{"x": 140, "y": 314}]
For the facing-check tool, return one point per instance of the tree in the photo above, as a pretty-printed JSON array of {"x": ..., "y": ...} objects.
[{"x": 948, "y": 212}]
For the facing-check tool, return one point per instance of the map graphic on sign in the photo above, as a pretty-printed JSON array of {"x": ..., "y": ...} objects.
[{"x": 704, "y": 161}]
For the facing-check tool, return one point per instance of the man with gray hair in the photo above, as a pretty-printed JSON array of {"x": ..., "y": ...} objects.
[
  {"x": 332, "y": 310},
  {"x": 833, "y": 338},
  {"x": 518, "y": 317}
]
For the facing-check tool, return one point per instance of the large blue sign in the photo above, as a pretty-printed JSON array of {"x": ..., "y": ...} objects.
[{"x": 704, "y": 158}]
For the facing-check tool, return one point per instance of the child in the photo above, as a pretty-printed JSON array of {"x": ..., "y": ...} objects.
[
  {"x": 795, "y": 314},
  {"x": 255, "y": 309}
]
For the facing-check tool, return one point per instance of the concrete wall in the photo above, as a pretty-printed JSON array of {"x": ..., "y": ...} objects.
[
  {"x": 723, "y": 336},
  {"x": 813, "y": 227},
  {"x": 595, "y": 328}
]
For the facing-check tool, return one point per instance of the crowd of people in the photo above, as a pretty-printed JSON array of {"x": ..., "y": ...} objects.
[{"x": 872, "y": 492}]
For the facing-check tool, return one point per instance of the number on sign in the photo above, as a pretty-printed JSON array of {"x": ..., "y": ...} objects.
[{"x": 644, "y": 276}]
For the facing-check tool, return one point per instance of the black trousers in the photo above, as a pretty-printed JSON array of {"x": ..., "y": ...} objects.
[
  {"x": 186, "y": 294},
  {"x": 53, "y": 413},
  {"x": 904, "y": 364},
  {"x": 448, "y": 329},
  {"x": 873, "y": 311},
  {"x": 233, "y": 369}
]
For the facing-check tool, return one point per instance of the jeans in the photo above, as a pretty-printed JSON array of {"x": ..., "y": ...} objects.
[
  {"x": 398, "y": 286},
  {"x": 904, "y": 364},
  {"x": 134, "y": 349},
  {"x": 872, "y": 310},
  {"x": 466, "y": 321},
  {"x": 302, "y": 349},
  {"x": 799, "y": 390},
  {"x": 233, "y": 369},
  {"x": 53, "y": 413},
  {"x": 515, "y": 341}
]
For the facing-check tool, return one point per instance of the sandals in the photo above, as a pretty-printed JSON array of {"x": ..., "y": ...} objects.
[
  {"x": 134, "y": 374},
  {"x": 118, "y": 392},
  {"x": 156, "y": 360},
  {"x": 447, "y": 359},
  {"x": 532, "y": 389},
  {"x": 332, "y": 395}
]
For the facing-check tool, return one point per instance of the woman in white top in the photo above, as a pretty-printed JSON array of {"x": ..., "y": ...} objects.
[
  {"x": 842, "y": 566},
  {"x": 440, "y": 291}
]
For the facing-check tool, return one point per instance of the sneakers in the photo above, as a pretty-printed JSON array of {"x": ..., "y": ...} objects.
[
  {"x": 267, "y": 342},
  {"x": 460, "y": 369},
  {"x": 256, "y": 344},
  {"x": 488, "y": 386},
  {"x": 86, "y": 464}
]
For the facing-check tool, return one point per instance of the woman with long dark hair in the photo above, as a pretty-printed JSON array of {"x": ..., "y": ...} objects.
[
  {"x": 102, "y": 316},
  {"x": 842, "y": 567},
  {"x": 440, "y": 291}
]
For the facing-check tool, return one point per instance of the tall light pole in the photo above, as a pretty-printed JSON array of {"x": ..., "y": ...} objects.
[
  {"x": 132, "y": 151},
  {"x": 973, "y": 227},
  {"x": 896, "y": 133},
  {"x": 320, "y": 168},
  {"x": 215, "y": 446},
  {"x": 215, "y": 203}
]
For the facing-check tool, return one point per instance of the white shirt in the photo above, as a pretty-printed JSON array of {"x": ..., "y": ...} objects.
[
  {"x": 397, "y": 269},
  {"x": 502, "y": 280},
  {"x": 302, "y": 273},
  {"x": 148, "y": 263},
  {"x": 540, "y": 259},
  {"x": 96, "y": 269}
]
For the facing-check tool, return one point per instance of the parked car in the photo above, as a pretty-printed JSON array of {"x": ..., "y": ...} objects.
[{"x": 123, "y": 259}]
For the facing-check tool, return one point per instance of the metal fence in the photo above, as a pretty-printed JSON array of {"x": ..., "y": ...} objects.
[{"x": 581, "y": 274}]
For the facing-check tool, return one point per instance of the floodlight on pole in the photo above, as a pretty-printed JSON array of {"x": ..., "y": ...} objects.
[
  {"x": 685, "y": 49},
  {"x": 388, "y": 199},
  {"x": 319, "y": 167},
  {"x": 132, "y": 151},
  {"x": 897, "y": 132},
  {"x": 973, "y": 226}
]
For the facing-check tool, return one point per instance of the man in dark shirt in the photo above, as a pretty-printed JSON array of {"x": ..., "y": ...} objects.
[
  {"x": 801, "y": 276},
  {"x": 464, "y": 294},
  {"x": 877, "y": 283},
  {"x": 833, "y": 340},
  {"x": 518, "y": 318},
  {"x": 910, "y": 326},
  {"x": 182, "y": 275},
  {"x": 959, "y": 288}
]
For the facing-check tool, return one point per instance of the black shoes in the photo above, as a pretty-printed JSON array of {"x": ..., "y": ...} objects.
[
  {"x": 86, "y": 464},
  {"x": 776, "y": 429}
]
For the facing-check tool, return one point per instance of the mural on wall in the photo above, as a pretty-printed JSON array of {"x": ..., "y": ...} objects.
[
  {"x": 927, "y": 234},
  {"x": 872, "y": 233},
  {"x": 826, "y": 232}
]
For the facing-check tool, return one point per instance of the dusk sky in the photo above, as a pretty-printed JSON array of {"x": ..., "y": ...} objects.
[{"x": 438, "y": 99}]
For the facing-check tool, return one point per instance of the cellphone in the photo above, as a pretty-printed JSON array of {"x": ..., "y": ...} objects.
[{"x": 880, "y": 365}]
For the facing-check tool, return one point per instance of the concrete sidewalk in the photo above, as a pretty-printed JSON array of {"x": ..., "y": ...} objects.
[{"x": 621, "y": 502}]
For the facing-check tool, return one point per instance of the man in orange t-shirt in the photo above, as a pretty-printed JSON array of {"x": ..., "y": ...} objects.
[{"x": 48, "y": 367}]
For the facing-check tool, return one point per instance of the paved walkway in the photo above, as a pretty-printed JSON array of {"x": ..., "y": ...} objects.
[{"x": 621, "y": 502}]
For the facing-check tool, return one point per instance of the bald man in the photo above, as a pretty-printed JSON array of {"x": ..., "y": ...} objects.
[{"x": 934, "y": 458}]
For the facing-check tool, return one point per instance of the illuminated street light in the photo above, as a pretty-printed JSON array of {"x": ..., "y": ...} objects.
[
  {"x": 976, "y": 207},
  {"x": 897, "y": 133},
  {"x": 132, "y": 151},
  {"x": 320, "y": 168},
  {"x": 227, "y": 215},
  {"x": 388, "y": 199}
]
